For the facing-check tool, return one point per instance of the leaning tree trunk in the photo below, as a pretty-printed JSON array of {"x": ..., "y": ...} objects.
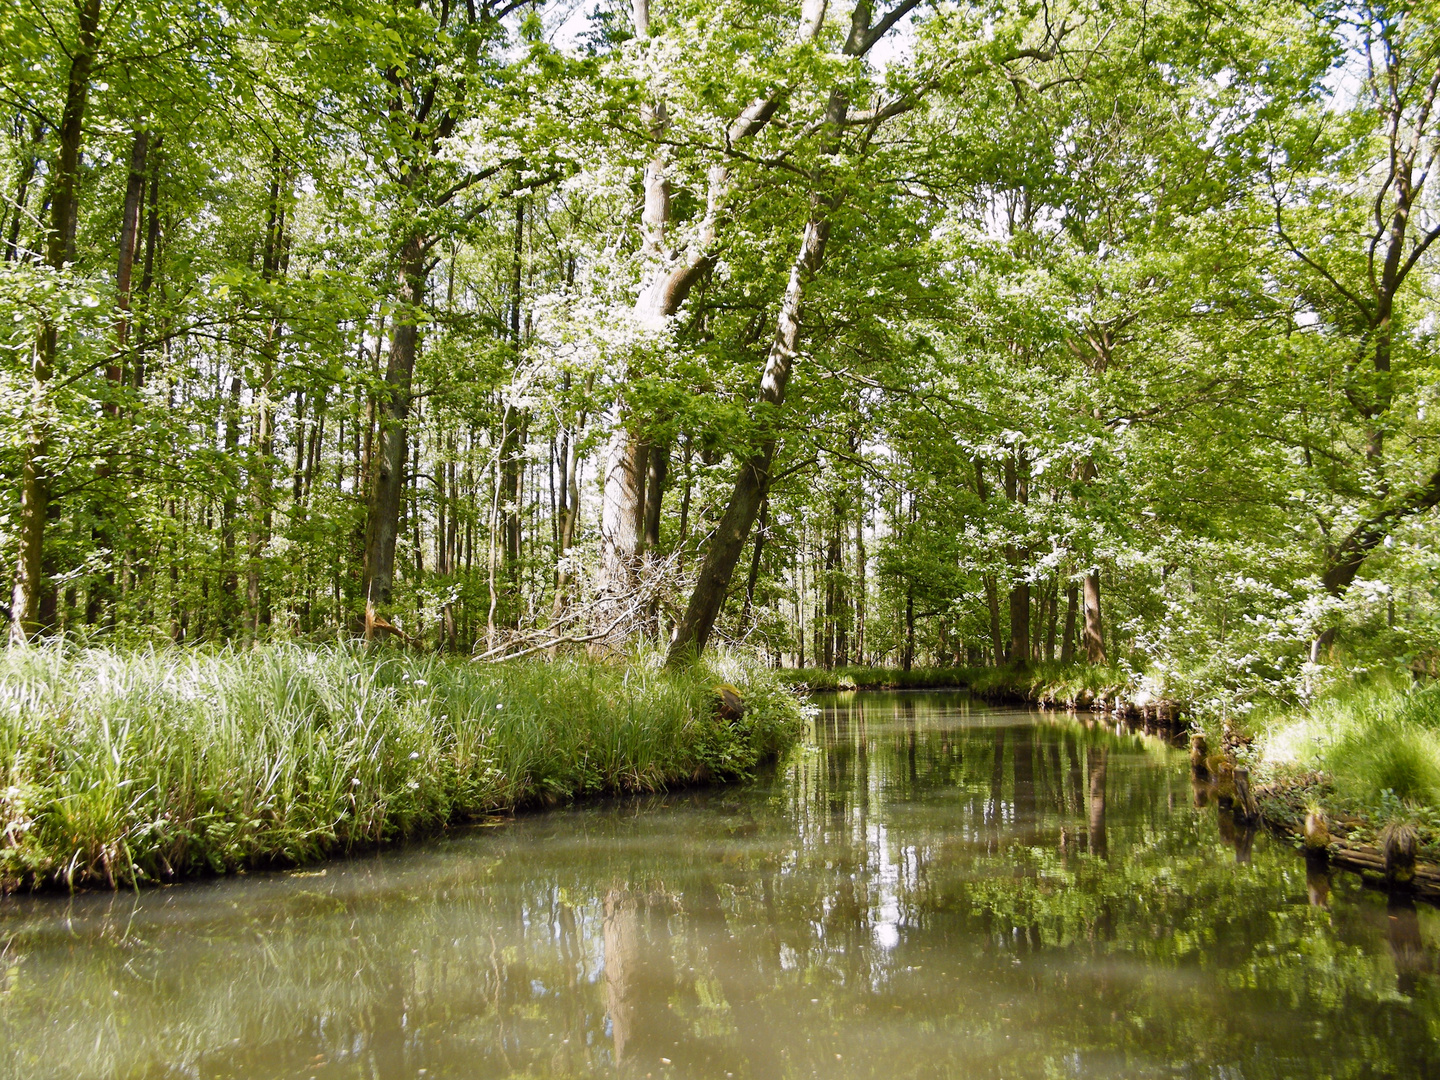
[
  {"x": 30, "y": 578},
  {"x": 382, "y": 524},
  {"x": 754, "y": 477}
]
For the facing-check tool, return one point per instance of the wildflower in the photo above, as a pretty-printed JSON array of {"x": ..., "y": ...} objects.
[
  {"x": 415, "y": 755},
  {"x": 355, "y": 781}
]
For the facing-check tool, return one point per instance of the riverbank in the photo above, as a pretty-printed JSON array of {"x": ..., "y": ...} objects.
[
  {"x": 1353, "y": 777},
  {"x": 1069, "y": 686},
  {"x": 127, "y": 768}
]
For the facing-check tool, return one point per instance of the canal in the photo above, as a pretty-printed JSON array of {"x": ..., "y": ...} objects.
[{"x": 927, "y": 887}]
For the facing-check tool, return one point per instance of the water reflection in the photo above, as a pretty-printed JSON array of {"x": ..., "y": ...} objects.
[{"x": 928, "y": 887}]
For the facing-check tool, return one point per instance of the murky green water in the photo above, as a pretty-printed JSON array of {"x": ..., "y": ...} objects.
[{"x": 929, "y": 888}]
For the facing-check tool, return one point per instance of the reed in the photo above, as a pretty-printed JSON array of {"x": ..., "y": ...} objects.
[{"x": 119, "y": 768}]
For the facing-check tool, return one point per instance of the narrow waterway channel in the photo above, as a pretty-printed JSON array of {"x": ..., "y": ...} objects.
[{"x": 929, "y": 887}]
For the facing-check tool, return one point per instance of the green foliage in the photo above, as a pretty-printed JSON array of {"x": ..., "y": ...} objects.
[{"x": 130, "y": 767}]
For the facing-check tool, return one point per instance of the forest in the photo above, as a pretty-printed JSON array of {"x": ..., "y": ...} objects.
[
  {"x": 659, "y": 538},
  {"x": 913, "y": 334}
]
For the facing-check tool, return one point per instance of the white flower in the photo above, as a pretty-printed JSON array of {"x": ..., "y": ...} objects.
[
  {"x": 415, "y": 755},
  {"x": 355, "y": 781}
]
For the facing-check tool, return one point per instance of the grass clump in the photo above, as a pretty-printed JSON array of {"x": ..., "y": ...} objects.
[
  {"x": 1375, "y": 742},
  {"x": 118, "y": 768}
]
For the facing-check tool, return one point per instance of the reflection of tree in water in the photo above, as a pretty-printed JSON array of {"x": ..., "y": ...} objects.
[
  {"x": 619, "y": 961},
  {"x": 1097, "y": 756}
]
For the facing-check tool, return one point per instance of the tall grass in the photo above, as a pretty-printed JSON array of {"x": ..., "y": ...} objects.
[
  {"x": 123, "y": 767},
  {"x": 1377, "y": 741}
]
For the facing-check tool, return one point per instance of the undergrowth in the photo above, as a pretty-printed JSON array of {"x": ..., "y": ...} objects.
[
  {"x": 118, "y": 768},
  {"x": 1376, "y": 742}
]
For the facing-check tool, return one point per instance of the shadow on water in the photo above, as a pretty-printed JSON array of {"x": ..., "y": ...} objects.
[{"x": 927, "y": 887}]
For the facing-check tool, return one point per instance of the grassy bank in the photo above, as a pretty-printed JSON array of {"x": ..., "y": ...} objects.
[
  {"x": 871, "y": 678},
  {"x": 1366, "y": 755},
  {"x": 1068, "y": 685},
  {"x": 123, "y": 768}
]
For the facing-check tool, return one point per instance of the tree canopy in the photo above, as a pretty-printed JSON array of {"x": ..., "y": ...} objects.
[{"x": 876, "y": 333}]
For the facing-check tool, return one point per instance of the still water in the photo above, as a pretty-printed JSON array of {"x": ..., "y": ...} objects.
[{"x": 929, "y": 887}]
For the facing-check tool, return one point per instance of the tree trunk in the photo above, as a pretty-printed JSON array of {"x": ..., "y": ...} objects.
[
  {"x": 754, "y": 477},
  {"x": 107, "y": 500},
  {"x": 1053, "y": 615},
  {"x": 229, "y": 573},
  {"x": 1067, "y": 642},
  {"x": 909, "y": 661},
  {"x": 664, "y": 288},
  {"x": 28, "y": 166},
  {"x": 657, "y": 471},
  {"x": 262, "y": 471},
  {"x": 832, "y": 589},
  {"x": 31, "y": 580},
  {"x": 992, "y": 604},
  {"x": 147, "y": 273},
  {"x": 860, "y": 585},
  {"x": 386, "y": 489},
  {"x": 1017, "y": 491},
  {"x": 757, "y": 552},
  {"x": 1094, "y": 627}
]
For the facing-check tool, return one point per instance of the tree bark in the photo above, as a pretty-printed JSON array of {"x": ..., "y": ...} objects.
[
  {"x": 229, "y": 574},
  {"x": 664, "y": 288},
  {"x": 753, "y": 480},
  {"x": 1067, "y": 642},
  {"x": 387, "y": 486},
  {"x": 757, "y": 552},
  {"x": 262, "y": 471},
  {"x": 1017, "y": 491},
  {"x": 28, "y": 167},
  {"x": 107, "y": 500},
  {"x": 1094, "y": 630},
  {"x": 860, "y": 584},
  {"x": 754, "y": 477},
  {"x": 1052, "y": 602},
  {"x": 992, "y": 605}
]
